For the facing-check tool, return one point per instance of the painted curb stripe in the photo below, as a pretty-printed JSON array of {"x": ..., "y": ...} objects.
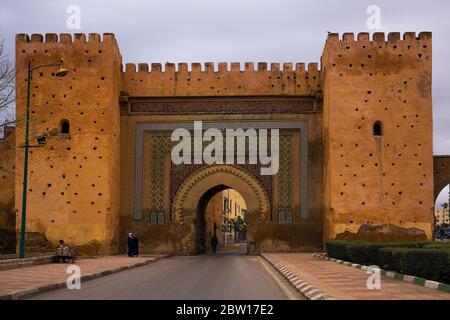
[
  {"x": 419, "y": 281},
  {"x": 398, "y": 276},
  {"x": 319, "y": 296},
  {"x": 390, "y": 274},
  {"x": 431, "y": 284},
  {"x": 444, "y": 287}
]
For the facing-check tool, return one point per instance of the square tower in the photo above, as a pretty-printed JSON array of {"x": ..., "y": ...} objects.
[
  {"x": 378, "y": 135},
  {"x": 73, "y": 180}
]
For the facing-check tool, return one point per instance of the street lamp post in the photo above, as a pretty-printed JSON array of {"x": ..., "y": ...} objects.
[{"x": 61, "y": 73}]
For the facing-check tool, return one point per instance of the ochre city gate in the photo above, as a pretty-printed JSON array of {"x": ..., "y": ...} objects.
[
  {"x": 355, "y": 144},
  {"x": 169, "y": 199}
]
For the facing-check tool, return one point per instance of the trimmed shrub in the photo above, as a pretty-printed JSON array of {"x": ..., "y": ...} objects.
[
  {"x": 369, "y": 253},
  {"x": 437, "y": 245},
  {"x": 337, "y": 249},
  {"x": 390, "y": 258},
  {"x": 431, "y": 264},
  {"x": 425, "y": 259},
  {"x": 365, "y": 253}
]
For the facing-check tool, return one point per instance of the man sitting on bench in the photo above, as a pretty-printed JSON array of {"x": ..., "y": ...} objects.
[{"x": 64, "y": 253}]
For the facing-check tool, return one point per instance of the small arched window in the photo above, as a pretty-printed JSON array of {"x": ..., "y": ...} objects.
[
  {"x": 378, "y": 129},
  {"x": 64, "y": 127}
]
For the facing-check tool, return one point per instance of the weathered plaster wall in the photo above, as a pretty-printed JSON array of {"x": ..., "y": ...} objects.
[
  {"x": 73, "y": 180},
  {"x": 7, "y": 184},
  {"x": 378, "y": 180}
]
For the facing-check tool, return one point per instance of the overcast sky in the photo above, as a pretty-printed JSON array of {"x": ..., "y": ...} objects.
[{"x": 240, "y": 30}]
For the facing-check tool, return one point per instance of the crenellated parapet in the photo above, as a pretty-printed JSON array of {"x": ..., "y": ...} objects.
[
  {"x": 393, "y": 38},
  {"x": 66, "y": 38},
  {"x": 78, "y": 50},
  {"x": 376, "y": 52},
  {"x": 225, "y": 79}
]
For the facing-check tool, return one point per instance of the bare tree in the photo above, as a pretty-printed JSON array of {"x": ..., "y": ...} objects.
[{"x": 7, "y": 84}]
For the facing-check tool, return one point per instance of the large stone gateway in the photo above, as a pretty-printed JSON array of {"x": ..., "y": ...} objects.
[{"x": 355, "y": 143}]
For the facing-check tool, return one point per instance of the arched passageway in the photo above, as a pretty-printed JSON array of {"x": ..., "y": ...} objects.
[{"x": 194, "y": 194}]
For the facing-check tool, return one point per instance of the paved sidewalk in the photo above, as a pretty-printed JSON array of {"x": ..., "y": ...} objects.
[
  {"x": 345, "y": 283},
  {"x": 15, "y": 283}
]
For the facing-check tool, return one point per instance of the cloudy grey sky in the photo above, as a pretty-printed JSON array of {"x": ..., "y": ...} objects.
[{"x": 240, "y": 30}]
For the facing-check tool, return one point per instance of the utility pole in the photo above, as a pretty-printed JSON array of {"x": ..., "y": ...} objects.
[{"x": 61, "y": 73}]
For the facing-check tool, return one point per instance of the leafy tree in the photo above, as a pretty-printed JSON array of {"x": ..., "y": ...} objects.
[{"x": 238, "y": 225}]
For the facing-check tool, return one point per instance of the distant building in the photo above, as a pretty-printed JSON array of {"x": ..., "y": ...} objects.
[
  {"x": 233, "y": 206},
  {"x": 441, "y": 216}
]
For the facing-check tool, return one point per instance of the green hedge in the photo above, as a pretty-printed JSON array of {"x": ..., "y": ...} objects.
[
  {"x": 431, "y": 264},
  {"x": 437, "y": 245},
  {"x": 390, "y": 258},
  {"x": 337, "y": 249},
  {"x": 425, "y": 259},
  {"x": 365, "y": 253}
]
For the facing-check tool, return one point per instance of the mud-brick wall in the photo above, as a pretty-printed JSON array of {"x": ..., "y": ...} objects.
[
  {"x": 385, "y": 179},
  {"x": 7, "y": 178},
  {"x": 73, "y": 180},
  {"x": 224, "y": 80}
]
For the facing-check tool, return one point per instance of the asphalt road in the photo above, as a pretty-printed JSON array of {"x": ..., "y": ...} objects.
[{"x": 228, "y": 275}]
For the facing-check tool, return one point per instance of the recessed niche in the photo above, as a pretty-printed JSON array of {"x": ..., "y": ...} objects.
[{"x": 378, "y": 129}]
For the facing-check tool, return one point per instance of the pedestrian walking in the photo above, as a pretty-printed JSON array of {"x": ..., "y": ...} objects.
[
  {"x": 135, "y": 246},
  {"x": 214, "y": 243},
  {"x": 131, "y": 245}
]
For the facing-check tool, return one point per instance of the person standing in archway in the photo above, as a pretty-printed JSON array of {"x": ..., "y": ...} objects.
[
  {"x": 214, "y": 243},
  {"x": 135, "y": 246}
]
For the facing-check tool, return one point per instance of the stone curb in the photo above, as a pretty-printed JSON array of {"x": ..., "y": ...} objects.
[
  {"x": 49, "y": 287},
  {"x": 8, "y": 264},
  {"x": 392, "y": 274},
  {"x": 310, "y": 292}
]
